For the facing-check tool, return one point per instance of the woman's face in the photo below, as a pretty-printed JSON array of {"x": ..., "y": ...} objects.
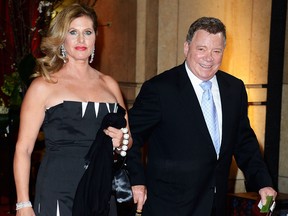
[{"x": 80, "y": 39}]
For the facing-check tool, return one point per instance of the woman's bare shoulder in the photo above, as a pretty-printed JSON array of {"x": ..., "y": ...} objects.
[
  {"x": 40, "y": 84},
  {"x": 109, "y": 80},
  {"x": 39, "y": 91}
]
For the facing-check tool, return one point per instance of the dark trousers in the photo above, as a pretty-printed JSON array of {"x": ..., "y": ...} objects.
[{"x": 213, "y": 211}]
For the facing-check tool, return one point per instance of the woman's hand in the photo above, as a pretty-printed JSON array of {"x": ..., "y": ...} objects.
[
  {"x": 27, "y": 211},
  {"x": 116, "y": 135},
  {"x": 121, "y": 139}
]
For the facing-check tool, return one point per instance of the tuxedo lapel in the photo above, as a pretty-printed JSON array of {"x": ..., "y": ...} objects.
[
  {"x": 226, "y": 98},
  {"x": 189, "y": 101}
]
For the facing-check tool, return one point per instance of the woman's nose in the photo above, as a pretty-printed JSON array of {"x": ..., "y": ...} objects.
[{"x": 81, "y": 38}]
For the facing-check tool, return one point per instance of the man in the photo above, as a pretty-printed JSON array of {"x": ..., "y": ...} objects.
[{"x": 185, "y": 174}]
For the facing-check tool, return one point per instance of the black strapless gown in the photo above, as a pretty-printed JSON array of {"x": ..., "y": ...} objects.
[{"x": 69, "y": 128}]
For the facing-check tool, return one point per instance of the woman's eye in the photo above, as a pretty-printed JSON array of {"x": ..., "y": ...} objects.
[
  {"x": 88, "y": 32},
  {"x": 73, "y": 32}
]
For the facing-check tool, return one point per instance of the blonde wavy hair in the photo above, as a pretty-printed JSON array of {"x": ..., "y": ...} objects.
[{"x": 53, "y": 61}]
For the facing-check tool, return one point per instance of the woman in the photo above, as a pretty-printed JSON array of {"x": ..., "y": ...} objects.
[{"x": 68, "y": 99}]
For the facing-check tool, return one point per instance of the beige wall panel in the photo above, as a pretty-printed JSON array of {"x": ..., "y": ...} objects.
[
  {"x": 283, "y": 184},
  {"x": 140, "y": 41},
  {"x": 257, "y": 116},
  {"x": 257, "y": 94},
  {"x": 257, "y": 112},
  {"x": 237, "y": 18},
  {"x": 260, "y": 36},
  {"x": 167, "y": 34},
  {"x": 152, "y": 32}
]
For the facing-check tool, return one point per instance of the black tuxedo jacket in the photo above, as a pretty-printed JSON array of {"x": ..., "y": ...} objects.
[{"x": 183, "y": 175}]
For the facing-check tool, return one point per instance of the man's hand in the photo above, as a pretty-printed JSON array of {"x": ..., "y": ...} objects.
[
  {"x": 139, "y": 196},
  {"x": 267, "y": 191}
]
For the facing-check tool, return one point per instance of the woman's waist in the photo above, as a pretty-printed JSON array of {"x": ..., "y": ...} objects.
[{"x": 68, "y": 148}]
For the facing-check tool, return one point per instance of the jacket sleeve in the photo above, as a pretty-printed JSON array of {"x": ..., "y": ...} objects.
[
  {"x": 143, "y": 118},
  {"x": 247, "y": 152}
]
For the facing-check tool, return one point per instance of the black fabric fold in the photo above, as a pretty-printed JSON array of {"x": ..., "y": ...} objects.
[{"x": 95, "y": 187}]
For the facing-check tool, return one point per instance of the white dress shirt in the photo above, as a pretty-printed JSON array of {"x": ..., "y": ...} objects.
[{"x": 195, "y": 81}]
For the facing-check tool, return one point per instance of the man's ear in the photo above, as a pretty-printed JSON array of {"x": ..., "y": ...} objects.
[{"x": 186, "y": 48}]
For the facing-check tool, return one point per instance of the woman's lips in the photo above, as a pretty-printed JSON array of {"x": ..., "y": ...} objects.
[{"x": 80, "y": 48}]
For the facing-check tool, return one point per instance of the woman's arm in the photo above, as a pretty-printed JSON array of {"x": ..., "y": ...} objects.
[{"x": 31, "y": 119}]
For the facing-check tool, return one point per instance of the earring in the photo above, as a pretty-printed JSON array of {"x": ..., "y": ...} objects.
[
  {"x": 63, "y": 53},
  {"x": 92, "y": 56}
]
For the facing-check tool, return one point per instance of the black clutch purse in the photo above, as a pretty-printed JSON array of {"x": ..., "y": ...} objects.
[{"x": 121, "y": 186}]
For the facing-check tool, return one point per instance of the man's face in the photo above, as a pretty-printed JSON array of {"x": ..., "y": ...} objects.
[{"x": 204, "y": 53}]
